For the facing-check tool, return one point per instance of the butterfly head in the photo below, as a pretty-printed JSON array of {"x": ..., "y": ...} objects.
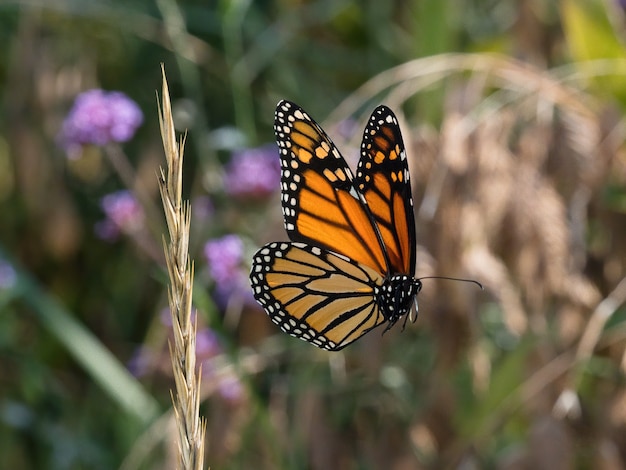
[{"x": 397, "y": 296}]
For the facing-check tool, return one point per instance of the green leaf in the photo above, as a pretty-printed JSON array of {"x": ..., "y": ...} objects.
[
  {"x": 86, "y": 348},
  {"x": 591, "y": 37}
]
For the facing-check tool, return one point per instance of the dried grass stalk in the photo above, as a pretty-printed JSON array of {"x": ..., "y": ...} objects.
[{"x": 186, "y": 400}]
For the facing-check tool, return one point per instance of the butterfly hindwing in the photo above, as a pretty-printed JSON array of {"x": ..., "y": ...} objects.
[
  {"x": 321, "y": 205},
  {"x": 383, "y": 179},
  {"x": 313, "y": 294}
]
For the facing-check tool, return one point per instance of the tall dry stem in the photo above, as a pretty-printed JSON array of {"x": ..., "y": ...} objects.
[{"x": 186, "y": 400}]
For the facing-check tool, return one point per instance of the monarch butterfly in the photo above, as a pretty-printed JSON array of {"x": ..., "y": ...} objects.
[{"x": 350, "y": 265}]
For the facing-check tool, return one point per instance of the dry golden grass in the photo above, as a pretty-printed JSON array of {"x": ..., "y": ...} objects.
[{"x": 191, "y": 428}]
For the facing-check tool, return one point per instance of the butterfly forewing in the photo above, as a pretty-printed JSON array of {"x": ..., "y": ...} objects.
[
  {"x": 383, "y": 179},
  {"x": 316, "y": 295},
  {"x": 321, "y": 205}
]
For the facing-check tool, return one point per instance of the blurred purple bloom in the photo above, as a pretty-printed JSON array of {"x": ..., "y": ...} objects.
[
  {"x": 225, "y": 259},
  {"x": 124, "y": 214},
  {"x": 107, "y": 230},
  {"x": 253, "y": 172},
  {"x": 230, "y": 388},
  {"x": 141, "y": 361},
  {"x": 224, "y": 256},
  {"x": 99, "y": 117},
  {"x": 7, "y": 275},
  {"x": 346, "y": 128},
  {"x": 207, "y": 344},
  {"x": 123, "y": 209},
  {"x": 227, "y": 383}
]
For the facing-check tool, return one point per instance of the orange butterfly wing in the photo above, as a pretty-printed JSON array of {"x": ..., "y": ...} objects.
[
  {"x": 321, "y": 205},
  {"x": 316, "y": 295},
  {"x": 383, "y": 179}
]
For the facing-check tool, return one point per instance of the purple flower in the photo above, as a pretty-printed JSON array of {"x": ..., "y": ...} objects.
[
  {"x": 107, "y": 230},
  {"x": 224, "y": 256},
  {"x": 7, "y": 275},
  {"x": 99, "y": 117},
  {"x": 207, "y": 348},
  {"x": 226, "y": 382},
  {"x": 207, "y": 344},
  {"x": 346, "y": 128},
  {"x": 225, "y": 259},
  {"x": 253, "y": 172},
  {"x": 124, "y": 214},
  {"x": 141, "y": 361}
]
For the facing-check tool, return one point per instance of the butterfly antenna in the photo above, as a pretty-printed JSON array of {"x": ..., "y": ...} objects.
[{"x": 451, "y": 279}]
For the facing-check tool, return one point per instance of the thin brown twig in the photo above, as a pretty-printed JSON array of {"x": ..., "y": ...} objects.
[
  {"x": 423, "y": 72},
  {"x": 600, "y": 316},
  {"x": 186, "y": 399}
]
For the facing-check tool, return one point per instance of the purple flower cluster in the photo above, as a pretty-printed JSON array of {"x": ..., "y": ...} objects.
[
  {"x": 142, "y": 361},
  {"x": 225, "y": 260},
  {"x": 99, "y": 117},
  {"x": 253, "y": 173},
  {"x": 208, "y": 347},
  {"x": 123, "y": 214},
  {"x": 8, "y": 276},
  {"x": 224, "y": 256},
  {"x": 230, "y": 388},
  {"x": 207, "y": 344}
]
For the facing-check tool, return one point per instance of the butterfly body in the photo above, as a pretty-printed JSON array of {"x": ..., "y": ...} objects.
[
  {"x": 396, "y": 297},
  {"x": 350, "y": 264}
]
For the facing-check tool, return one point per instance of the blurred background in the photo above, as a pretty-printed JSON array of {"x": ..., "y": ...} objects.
[{"x": 512, "y": 114}]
